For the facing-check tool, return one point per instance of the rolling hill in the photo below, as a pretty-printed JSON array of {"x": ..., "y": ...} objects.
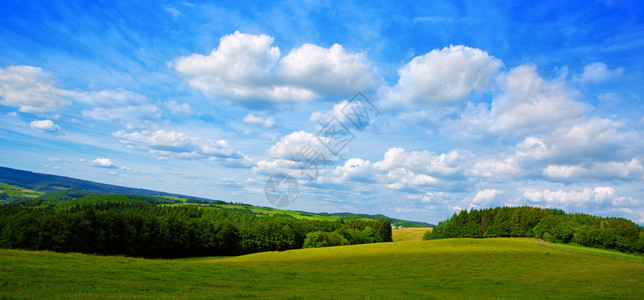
[
  {"x": 52, "y": 185},
  {"x": 453, "y": 268}
]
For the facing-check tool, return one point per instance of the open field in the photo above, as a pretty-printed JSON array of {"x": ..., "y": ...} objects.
[
  {"x": 596, "y": 251},
  {"x": 408, "y": 234},
  {"x": 463, "y": 268},
  {"x": 16, "y": 192}
]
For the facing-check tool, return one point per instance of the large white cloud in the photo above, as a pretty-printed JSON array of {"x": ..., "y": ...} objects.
[
  {"x": 246, "y": 67},
  {"x": 327, "y": 71},
  {"x": 31, "y": 90},
  {"x": 447, "y": 75},
  {"x": 530, "y": 102}
]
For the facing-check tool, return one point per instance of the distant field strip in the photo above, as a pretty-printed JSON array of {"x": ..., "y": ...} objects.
[
  {"x": 593, "y": 251},
  {"x": 14, "y": 191},
  {"x": 439, "y": 269},
  {"x": 408, "y": 234}
]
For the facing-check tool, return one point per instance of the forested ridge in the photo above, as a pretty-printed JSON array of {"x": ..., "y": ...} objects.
[
  {"x": 136, "y": 226},
  {"x": 551, "y": 225}
]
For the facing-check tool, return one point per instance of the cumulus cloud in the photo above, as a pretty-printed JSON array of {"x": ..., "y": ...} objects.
[
  {"x": 252, "y": 119},
  {"x": 103, "y": 163},
  {"x": 597, "y": 72},
  {"x": 354, "y": 169},
  {"x": 299, "y": 144},
  {"x": 327, "y": 71},
  {"x": 484, "y": 197},
  {"x": 530, "y": 102},
  {"x": 445, "y": 164},
  {"x": 31, "y": 90},
  {"x": 47, "y": 126},
  {"x": 172, "y": 144},
  {"x": 246, "y": 67},
  {"x": 447, "y": 75}
]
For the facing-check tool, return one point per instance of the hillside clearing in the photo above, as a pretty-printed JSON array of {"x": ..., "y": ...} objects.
[
  {"x": 408, "y": 234},
  {"x": 420, "y": 269}
]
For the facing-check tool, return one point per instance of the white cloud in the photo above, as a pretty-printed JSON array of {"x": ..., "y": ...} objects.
[
  {"x": 172, "y": 144},
  {"x": 485, "y": 196},
  {"x": 103, "y": 163},
  {"x": 447, "y": 75},
  {"x": 121, "y": 106},
  {"x": 402, "y": 178},
  {"x": 300, "y": 144},
  {"x": 180, "y": 108},
  {"x": 603, "y": 170},
  {"x": 47, "y": 126},
  {"x": 246, "y": 67},
  {"x": 421, "y": 161},
  {"x": 597, "y": 72},
  {"x": 30, "y": 89},
  {"x": 354, "y": 169},
  {"x": 497, "y": 169},
  {"x": 252, "y": 119},
  {"x": 563, "y": 199},
  {"x": 327, "y": 71},
  {"x": 530, "y": 102},
  {"x": 276, "y": 166}
]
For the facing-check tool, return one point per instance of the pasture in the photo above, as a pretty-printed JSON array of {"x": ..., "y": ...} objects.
[{"x": 451, "y": 268}]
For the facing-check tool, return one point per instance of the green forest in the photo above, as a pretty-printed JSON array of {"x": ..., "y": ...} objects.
[
  {"x": 136, "y": 226},
  {"x": 551, "y": 225}
]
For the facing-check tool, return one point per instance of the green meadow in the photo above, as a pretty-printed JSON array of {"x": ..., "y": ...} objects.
[
  {"x": 408, "y": 234},
  {"x": 17, "y": 192},
  {"x": 449, "y": 268}
]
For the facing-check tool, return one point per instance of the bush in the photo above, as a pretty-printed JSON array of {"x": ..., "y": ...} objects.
[{"x": 319, "y": 239}]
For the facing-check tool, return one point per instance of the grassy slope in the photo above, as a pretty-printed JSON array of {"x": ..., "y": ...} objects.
[
  {"x": 14, "y": 191},
  {"x": 408, "y": 234},
  {"x": 419, "y": 269}
]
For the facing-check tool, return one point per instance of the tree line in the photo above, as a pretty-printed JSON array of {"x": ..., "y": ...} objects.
[
  {"x": 143, "y": 229},
  {"x": 551, "y": 225}
]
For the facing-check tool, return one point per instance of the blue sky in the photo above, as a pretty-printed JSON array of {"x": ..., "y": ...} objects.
[{"x": 480, "y": 104}]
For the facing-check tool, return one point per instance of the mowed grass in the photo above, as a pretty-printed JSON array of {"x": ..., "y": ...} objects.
[
  {"x": 455, "y": 268},
  {"x": 408, "y": 234}
]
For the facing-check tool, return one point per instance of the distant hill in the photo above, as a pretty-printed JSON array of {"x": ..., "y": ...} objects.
[
  {"x": 400, "y": 222},
  {"x": 67, "y": 188},
  {"x": 50, "y": 183}
]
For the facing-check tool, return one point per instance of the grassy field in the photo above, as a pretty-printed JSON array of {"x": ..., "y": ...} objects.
[
  {"x": 16, "y": 192},
  {"x": 408, "y": 234},
  {"x": 595, "y": 251},
  {"x": 455, "y": 268}
]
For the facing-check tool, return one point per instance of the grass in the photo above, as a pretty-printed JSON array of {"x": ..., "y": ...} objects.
[
  {"x": 595, "y": 251},
  {"x": 452, "y": 268},
  {"x": 409, "y": 234},
  {"x": 170, "y": 198},
  {"x": 17, "y": 192}
]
